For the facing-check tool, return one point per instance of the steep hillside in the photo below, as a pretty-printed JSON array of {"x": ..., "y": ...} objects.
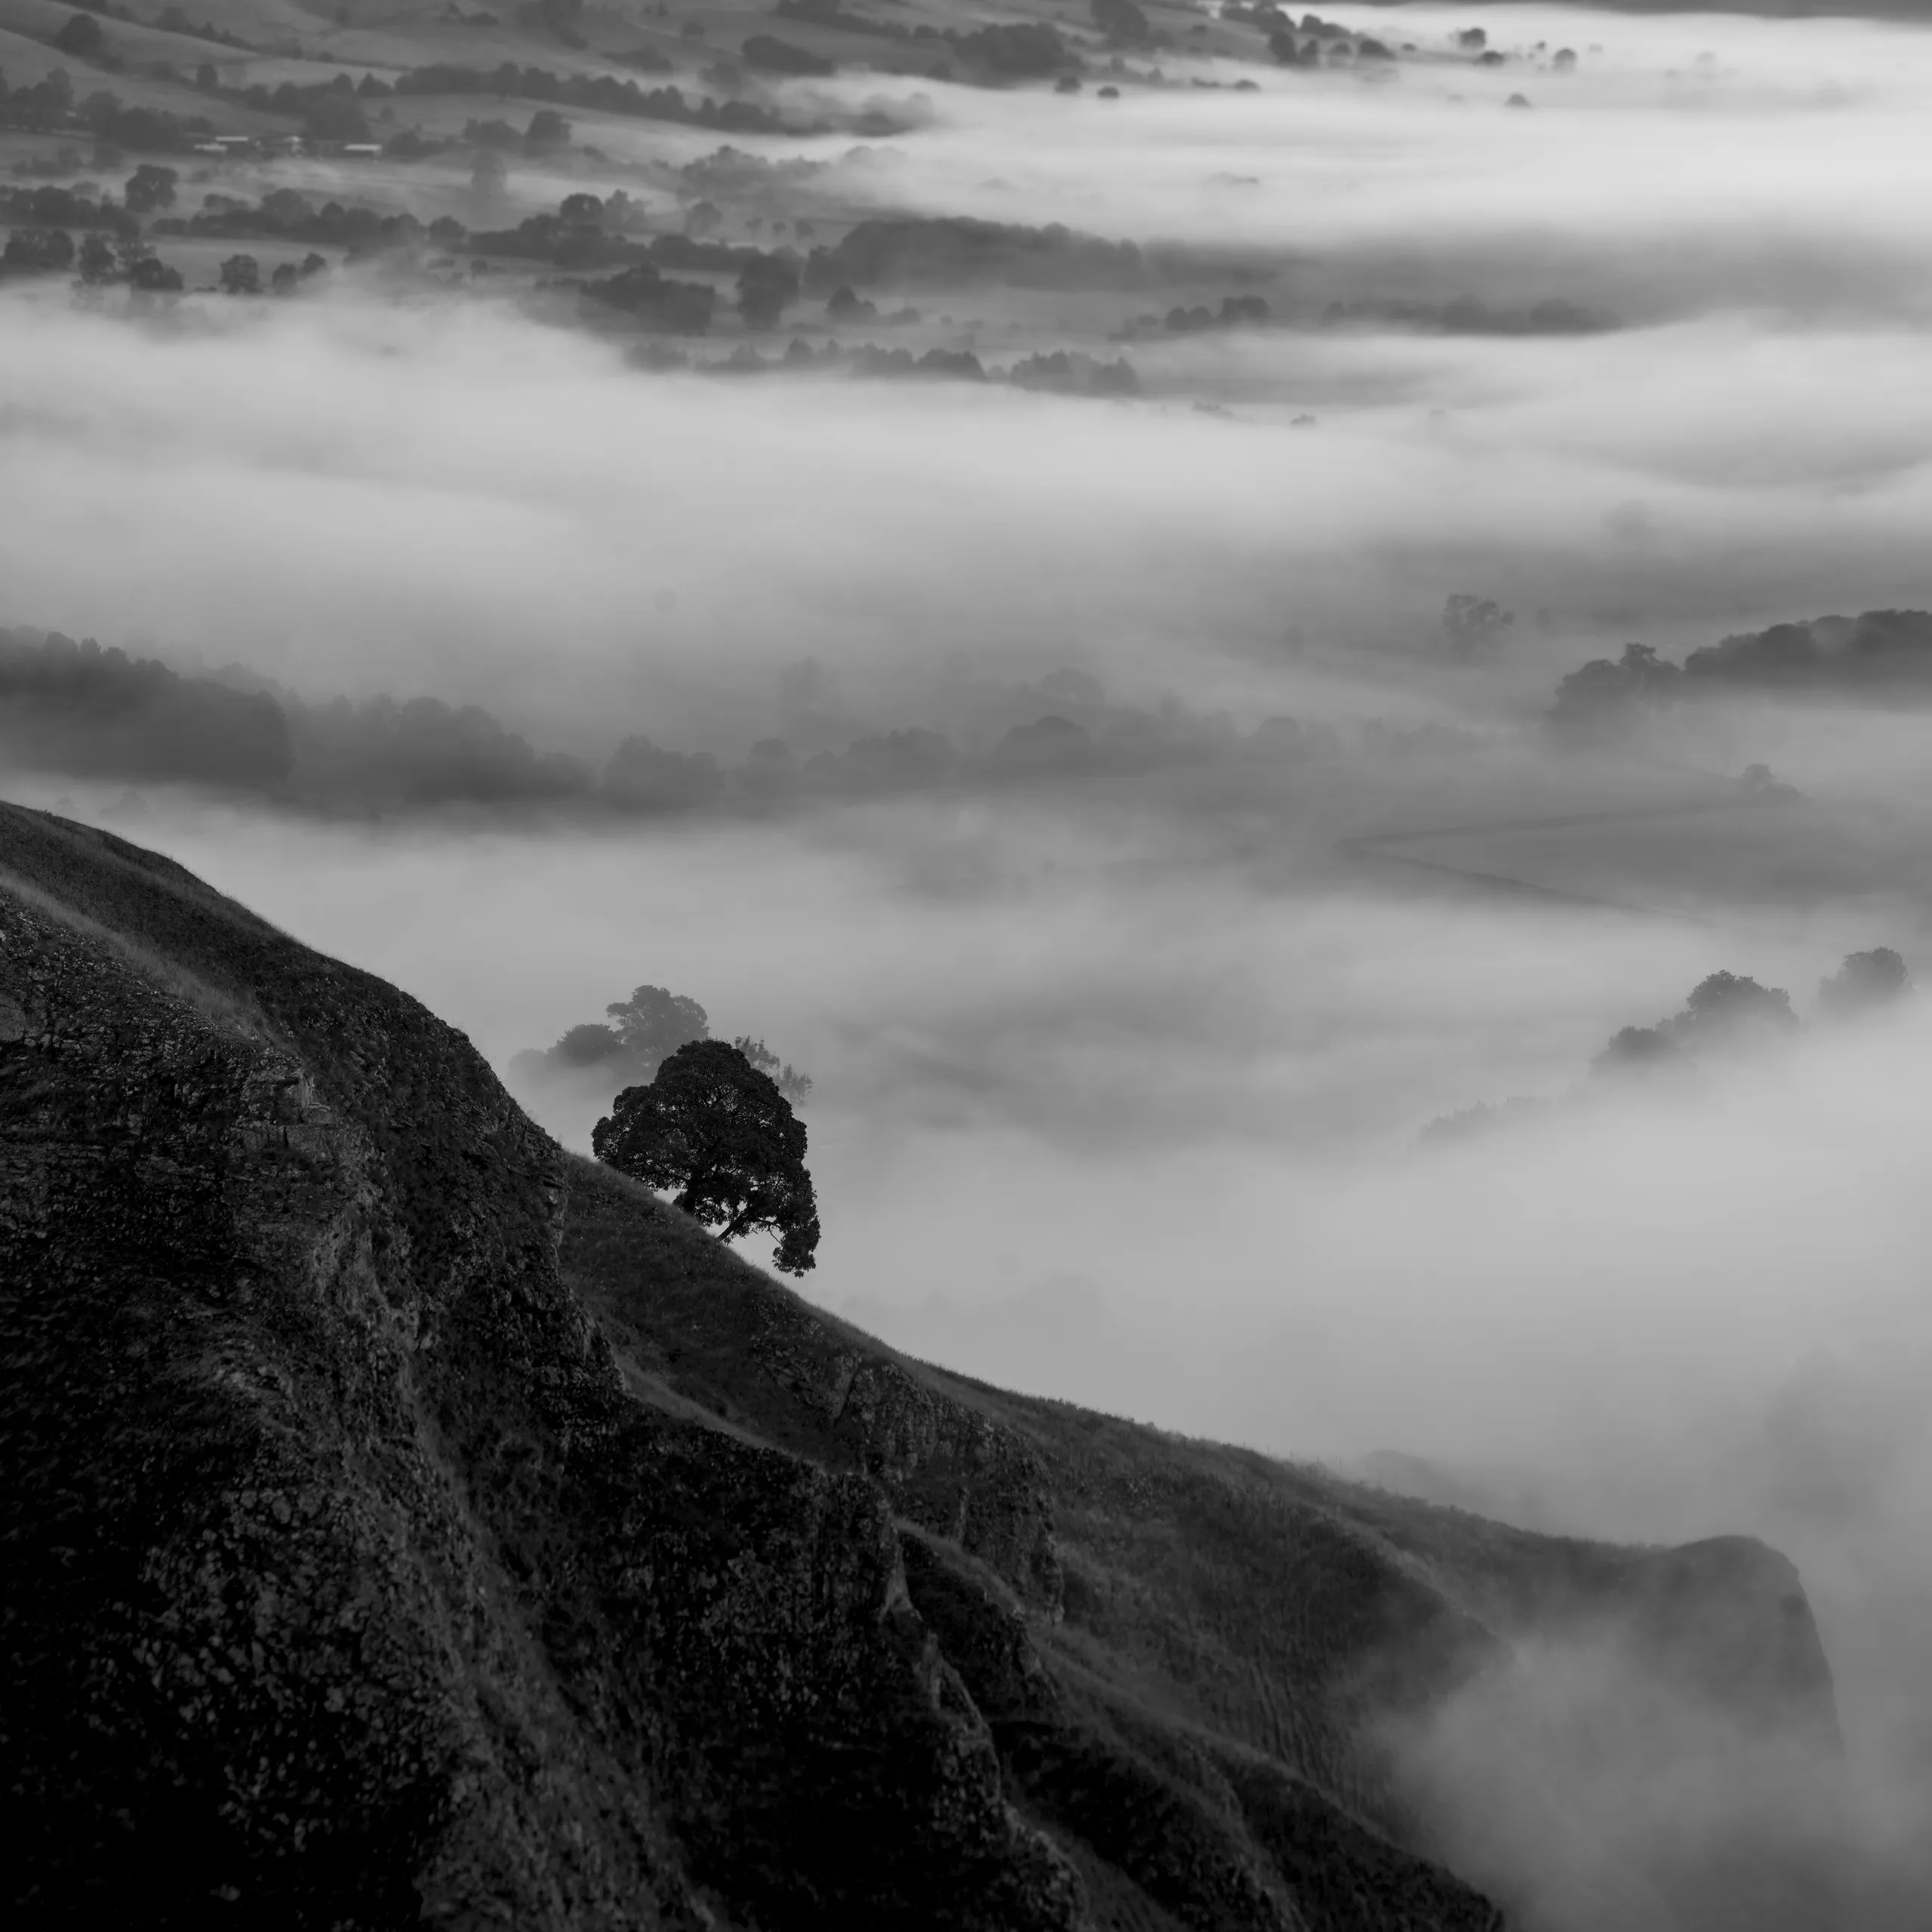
[{"x": 404, "y": 1521}]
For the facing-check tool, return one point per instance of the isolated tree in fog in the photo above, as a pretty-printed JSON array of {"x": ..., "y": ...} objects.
[
  {"x": 1866, "y": 980},
  {"x": 717, "y": 1130},
  {"x": 241, "y": 275}
]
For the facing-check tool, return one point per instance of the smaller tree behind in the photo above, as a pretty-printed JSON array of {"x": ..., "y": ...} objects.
[
  {"x": 654, "y": 1022},
  {"x": 714, "y": 1127}
]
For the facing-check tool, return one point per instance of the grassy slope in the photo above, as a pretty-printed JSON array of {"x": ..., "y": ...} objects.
[
  {"x": 1175, "y": 1643},
  {"x": 1223, "y": 1624}
]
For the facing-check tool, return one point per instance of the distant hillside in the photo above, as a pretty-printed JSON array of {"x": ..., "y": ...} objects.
[{"x": 407, "y": 1523}]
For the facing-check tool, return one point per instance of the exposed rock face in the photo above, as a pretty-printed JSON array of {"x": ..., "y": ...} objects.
[{"x": 404, "y": 1521}]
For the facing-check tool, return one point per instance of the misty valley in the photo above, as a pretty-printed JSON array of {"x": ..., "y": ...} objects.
[{"x": 964, "y": 965}]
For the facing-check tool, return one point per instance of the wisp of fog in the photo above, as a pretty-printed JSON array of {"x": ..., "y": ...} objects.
[{"x": 1120, "y": 1074}]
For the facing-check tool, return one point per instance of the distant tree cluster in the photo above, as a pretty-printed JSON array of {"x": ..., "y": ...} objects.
[
  {"x": 1073, "y": 372},
  {"x": 241, "y": 275},
  {"x": 1727, "y": 1015},
  {"x": 766, "y": 54},
  {"x": 1465, "y": 315},
  {"x": 1879, "y": 649},
  {"x": 37, "y": 251},
  {"x": 49, "y": 106},
  {"x": 422, "y": 752},
  {"x": 76, "y": 708},
  {"x": 1060, "y": 372},
  {"x": 1236, "y": 312},
  {"x": 953, "y": 250},
  {"x": 602, "y": 94},
  {"x": 73, "y": 707},
  {"x": 69, "y": 209},
  {"x": 285, "y": 215},
  {"x": 1027, "y": 50},
  {"x": 79, "y": 708},
  {"x": 648, "y": 299},
  {"x": 1310, "y": 42}
]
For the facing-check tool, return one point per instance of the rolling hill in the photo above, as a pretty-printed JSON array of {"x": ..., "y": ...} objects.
[{"x": 409, "y": 1523}]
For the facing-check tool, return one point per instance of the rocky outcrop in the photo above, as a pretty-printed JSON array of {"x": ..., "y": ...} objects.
[
  {"x": 345, "y": 1583},
  {"x": 404, "y": 1522}
]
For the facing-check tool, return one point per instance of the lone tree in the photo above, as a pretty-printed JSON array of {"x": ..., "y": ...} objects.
[{"x": 719, "y": 1131}]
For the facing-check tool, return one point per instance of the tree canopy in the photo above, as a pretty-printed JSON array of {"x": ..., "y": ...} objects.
[{"x": 717, "y": 1130}]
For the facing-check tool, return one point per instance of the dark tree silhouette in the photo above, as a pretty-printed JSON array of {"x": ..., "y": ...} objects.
[
  {"x": 241, "y": 274},
  {"x": 714, "y": 1127},
  {"x": 1866, "y": 980}
]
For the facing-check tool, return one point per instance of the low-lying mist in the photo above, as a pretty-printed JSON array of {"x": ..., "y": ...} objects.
[{"x": 1120, "y": 1074}]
